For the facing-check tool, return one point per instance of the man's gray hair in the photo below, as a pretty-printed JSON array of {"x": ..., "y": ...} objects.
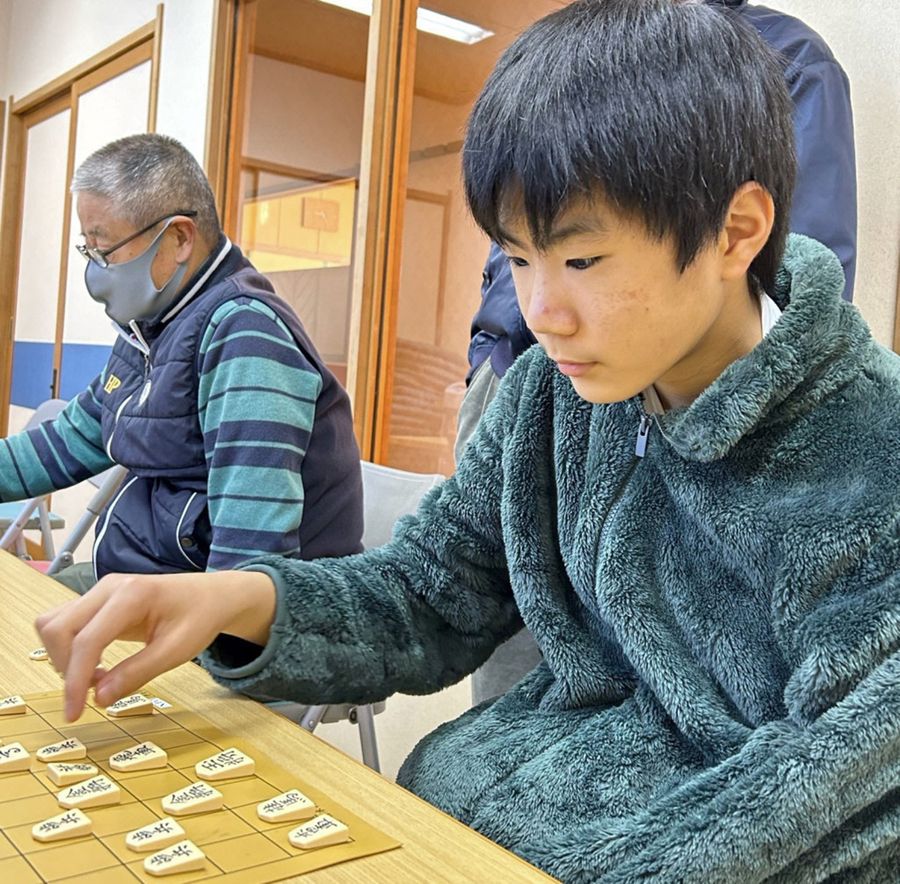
[{"x": 146, "y": 176}]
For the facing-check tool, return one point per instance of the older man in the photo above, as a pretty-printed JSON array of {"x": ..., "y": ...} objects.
[{"x": 237, "y": 439}]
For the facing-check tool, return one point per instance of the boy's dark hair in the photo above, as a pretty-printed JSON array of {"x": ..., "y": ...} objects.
[{"x": 662, "y": 107}]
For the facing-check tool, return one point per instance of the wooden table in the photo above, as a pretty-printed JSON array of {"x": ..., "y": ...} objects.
[{"x": 435, "y": 846}]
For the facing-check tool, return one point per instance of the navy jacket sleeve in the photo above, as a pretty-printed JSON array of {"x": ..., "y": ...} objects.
[
  {"x": 498, "y": 328},
  {"x": 824, "y": 204}
]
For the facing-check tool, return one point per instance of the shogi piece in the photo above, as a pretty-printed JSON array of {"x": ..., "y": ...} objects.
[
  {"x": 14, "y": 705},
  {"x": 159, "y": 834},
  {"x": 68, "y": 750},
  {"x": 182, "y": 857},
  {"x": 13, "y": 757},
  {"x": 136, "y": 704},
  {"x": 71, "y": 824},
  {"x": 39, "y": 654},
  {"x": 322, "y": 831},
  {"x": 196, "y": 798},
  {"x": 226, "y": 765},
  {"x": 67, "y": 774},
  {"x": 96, "y": 792},
  {"x": 286, "y": 807},
  {"x": 144, "y": 756}
]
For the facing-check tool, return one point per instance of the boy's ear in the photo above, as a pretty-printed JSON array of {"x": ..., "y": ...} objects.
[{"x": 748, "y": 223}]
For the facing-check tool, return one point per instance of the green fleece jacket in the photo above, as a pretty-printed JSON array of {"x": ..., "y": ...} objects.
[{"x": 720, "y": 620}]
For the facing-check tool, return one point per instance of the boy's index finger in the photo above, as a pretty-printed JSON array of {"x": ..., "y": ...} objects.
[
  {"x": 92, "y": 630},
  {"x": 58, "y": 627}
]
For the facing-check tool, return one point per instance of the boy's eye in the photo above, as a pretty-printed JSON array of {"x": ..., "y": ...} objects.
[
  {"x": 516, "y": 262},
  {"x": 582, "y": 263}
]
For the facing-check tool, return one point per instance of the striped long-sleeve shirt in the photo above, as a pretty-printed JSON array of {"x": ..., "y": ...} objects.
[
  {"x": 256, "y": 404},
  {"x": 257, "y": 399}
]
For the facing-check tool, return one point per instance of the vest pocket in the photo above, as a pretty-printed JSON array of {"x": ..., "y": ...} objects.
[
  {"x": 155, "y": 528},
  {"x": 192, "y": 533}
]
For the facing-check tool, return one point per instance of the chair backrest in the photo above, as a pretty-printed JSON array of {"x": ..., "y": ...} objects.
[
  {"x": 46, "y": 411},
  {"x": 33, "y": 513},
  {"x": 389, "y": 493}
]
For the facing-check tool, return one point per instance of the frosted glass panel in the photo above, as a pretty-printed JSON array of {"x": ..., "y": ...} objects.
[
  {"x": 112, "y": 110},
  {"x": 42, "y": 223}
]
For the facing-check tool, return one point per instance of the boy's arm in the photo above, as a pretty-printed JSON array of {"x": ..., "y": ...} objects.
[
  {"x": 257, "y": 404},
  {"x": 804, "y": 796},
  {"x": 58, "y": 453},
  {"x": 414, "y": 615}
]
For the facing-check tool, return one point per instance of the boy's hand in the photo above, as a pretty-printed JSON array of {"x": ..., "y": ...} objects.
[{"x": 176, "y": 615}]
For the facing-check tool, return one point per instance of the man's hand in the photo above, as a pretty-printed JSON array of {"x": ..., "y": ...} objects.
[{"x": 176, "y": 616}]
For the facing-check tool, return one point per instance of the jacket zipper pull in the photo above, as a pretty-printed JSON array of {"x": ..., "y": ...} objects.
[{"x": 640, "y": 445}]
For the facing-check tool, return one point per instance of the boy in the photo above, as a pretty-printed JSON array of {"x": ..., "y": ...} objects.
[{"x": 688, "y": 496}]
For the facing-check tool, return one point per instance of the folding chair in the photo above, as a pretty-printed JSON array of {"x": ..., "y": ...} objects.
[
  {"x": 33, "y": 514},
  {"x": 388, "y": 494}
]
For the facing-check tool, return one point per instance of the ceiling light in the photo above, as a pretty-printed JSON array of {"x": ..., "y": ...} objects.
[{"x": 428, "y": 21}]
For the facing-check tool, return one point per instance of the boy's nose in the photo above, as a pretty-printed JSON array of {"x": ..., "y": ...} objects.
[{"x": 547, "y": 310}]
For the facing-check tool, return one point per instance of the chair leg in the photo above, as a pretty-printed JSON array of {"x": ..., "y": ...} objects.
[
  {"x": 365, "y": 718},
  {"x": 312, "y": 717},
  {"x": 61, "y": 560},
  {"x": 46, "y": 531}
]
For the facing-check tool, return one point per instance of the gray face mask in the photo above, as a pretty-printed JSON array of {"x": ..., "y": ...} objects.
[{"x": 126, "y": 290}]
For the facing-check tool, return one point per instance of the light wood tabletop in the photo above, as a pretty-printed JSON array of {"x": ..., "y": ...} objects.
[{"x": 436, "y": 848}]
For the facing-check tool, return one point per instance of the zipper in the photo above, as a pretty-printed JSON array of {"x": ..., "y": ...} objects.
[
  {"x": 610, "y": 512},
  {"x": 640, "y": 448},
  {"x": 137, "y": 341},
  {"x": 651, "y": 408},
  {"x": 640, "y": 444}
]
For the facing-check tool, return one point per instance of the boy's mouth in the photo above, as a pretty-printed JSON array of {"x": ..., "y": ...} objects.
[{"x": 574, "y": 369}]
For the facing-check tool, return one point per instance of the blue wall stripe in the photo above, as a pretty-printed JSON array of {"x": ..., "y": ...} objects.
[
  {"x": 81, "y": 363},
  {"x": 33, "y": 369}
]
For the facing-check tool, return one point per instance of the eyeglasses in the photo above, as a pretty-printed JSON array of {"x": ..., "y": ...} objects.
[{"x": 99, "y": 256}]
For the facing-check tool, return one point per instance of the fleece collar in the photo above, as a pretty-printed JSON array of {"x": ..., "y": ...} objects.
[{"x": 814, "y": 348}]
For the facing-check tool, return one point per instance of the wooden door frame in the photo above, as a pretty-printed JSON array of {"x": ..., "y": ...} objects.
[
  {"x": 142, "y": 44},
  {"x": 387, "y": 123},
  {"x": 221, "y": 62}
]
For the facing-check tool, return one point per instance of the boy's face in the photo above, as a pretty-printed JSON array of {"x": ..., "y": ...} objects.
[{"x": 609, "y": 306}]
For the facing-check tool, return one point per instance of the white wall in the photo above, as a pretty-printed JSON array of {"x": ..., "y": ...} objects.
[
  {"x": 864, "y": 36},
  {"x": 5, "y": 19},
  {"x": 46, "y": 38}
]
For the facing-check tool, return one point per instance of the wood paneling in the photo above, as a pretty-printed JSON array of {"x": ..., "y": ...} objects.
[
  {"x": 154, "y": 69},
  {"x": 386, "y": 129},
  {"x": 219, "y": 109},
  {"x": 14, "y": 173}
]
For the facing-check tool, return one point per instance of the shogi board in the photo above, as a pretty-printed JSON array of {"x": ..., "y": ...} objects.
[{"x": 240, "y": 848}]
